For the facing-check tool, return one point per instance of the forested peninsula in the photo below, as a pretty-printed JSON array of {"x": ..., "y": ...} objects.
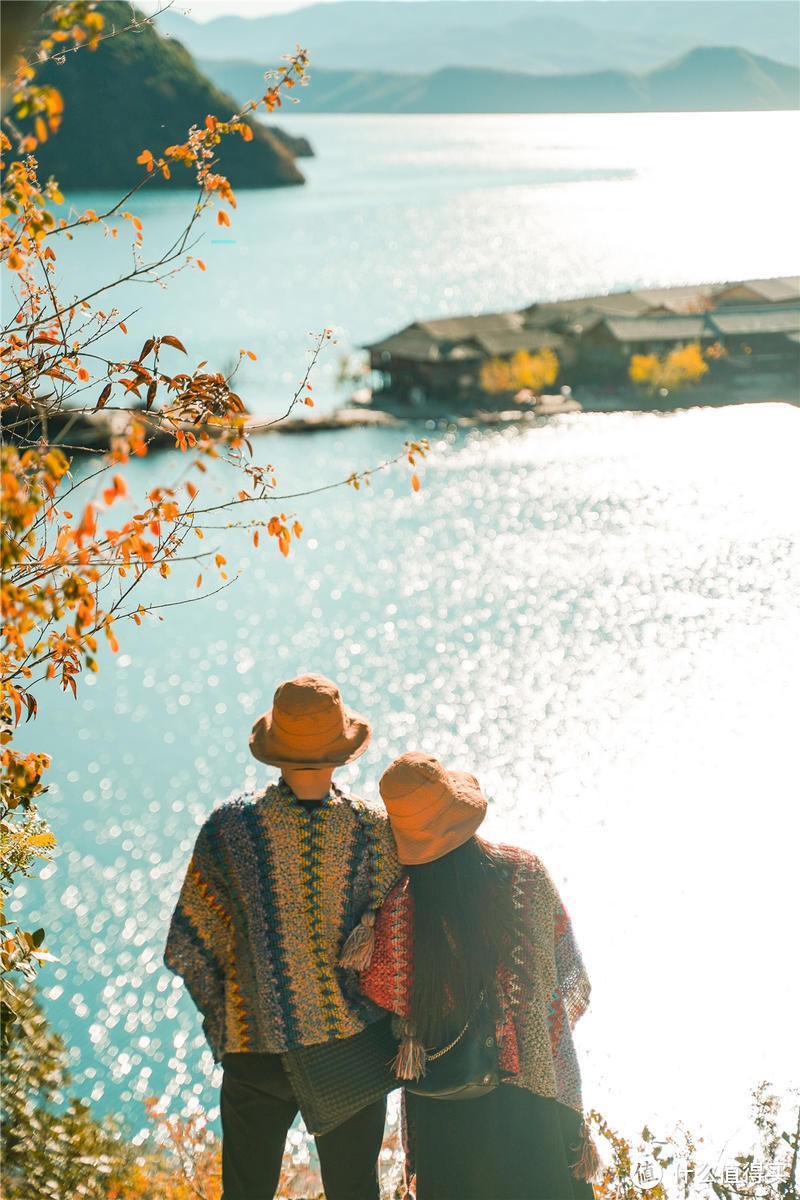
[{"x": 140, "y": 91}]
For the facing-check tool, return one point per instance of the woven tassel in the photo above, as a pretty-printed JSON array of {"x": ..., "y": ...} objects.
[
  {"x": 587, "y": 1163},
  {"x": 357, "y": 950},
  {"x": 411, "y": 1058}
]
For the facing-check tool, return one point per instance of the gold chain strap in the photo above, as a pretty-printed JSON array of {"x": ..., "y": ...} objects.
[{"x": 439, "y": 1053}]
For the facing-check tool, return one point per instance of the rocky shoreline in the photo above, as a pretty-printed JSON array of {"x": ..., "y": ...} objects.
[{"x": 93, "y": 432}]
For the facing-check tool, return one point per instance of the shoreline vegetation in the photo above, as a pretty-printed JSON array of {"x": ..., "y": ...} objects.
[
  {"x": 51, "y": 1139},
  {"x": 56, "y": 1143}
]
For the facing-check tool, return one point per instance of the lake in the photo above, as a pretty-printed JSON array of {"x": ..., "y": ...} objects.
[{"x": 598, "y": 615}]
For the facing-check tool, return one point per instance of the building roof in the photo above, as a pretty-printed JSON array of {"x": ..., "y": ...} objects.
[
  {"x": 620, "y": 304},
  {"x": 776, "y": 291},
  {"x": 510, "y": 341},
  {"x": 757, "y": 320},
  {"x": 744, "y": 307},
  {"x": 462, "y": 328},
  {"x": 411, "y": 342},
  {"x": 658, "y": 329},
  {"x": 677, "y": 299}
]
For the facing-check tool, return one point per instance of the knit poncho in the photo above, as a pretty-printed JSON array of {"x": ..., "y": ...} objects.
[
  {"x": 541, "y": 997},
  {"x": 271, "y": 893}
]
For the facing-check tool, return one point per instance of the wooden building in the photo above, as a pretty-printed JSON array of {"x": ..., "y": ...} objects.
[{"x": 756, "y": 322}]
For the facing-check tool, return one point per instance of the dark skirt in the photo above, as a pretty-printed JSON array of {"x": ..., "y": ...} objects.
[{"x": 507, "y": 1145}]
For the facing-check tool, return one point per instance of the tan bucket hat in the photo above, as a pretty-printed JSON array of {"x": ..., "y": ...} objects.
[
  {"x": 431, "y": 810},
  {"x": 308, "y": 726}
]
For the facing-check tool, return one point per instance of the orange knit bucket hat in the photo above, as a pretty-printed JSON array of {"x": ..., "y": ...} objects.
[
  {"x": 308, "y": 727},
  {"x": 431, "y": 810}
]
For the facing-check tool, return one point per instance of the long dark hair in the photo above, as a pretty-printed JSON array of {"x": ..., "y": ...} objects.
[{"x": 464, "y": 927}]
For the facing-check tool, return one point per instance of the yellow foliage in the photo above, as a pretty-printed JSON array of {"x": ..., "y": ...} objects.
[
  {"x": 495, "y": 376},
  {"x": 681, "y": 366},
  {"x": 523, "y": 370}
]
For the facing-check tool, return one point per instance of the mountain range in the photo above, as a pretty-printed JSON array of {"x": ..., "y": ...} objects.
[
  {"x": 715, "y": 78},
  {"x": 537, "y": 37}
]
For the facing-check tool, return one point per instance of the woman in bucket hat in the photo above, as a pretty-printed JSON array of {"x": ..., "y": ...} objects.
[
  {"x": 470, "y": 923},
  {"x": 279, "y": 881}
]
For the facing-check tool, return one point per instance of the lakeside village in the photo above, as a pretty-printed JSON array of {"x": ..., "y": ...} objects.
[{"x": 653, "y": 349}]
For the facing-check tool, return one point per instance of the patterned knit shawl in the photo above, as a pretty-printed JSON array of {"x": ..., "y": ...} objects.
[
  {"x": 541, "y": 998},
  {"x": 271, "y": 893}
]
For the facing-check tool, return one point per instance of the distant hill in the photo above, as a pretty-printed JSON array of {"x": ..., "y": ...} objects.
[
  {"x": 538, "y": 37},
  {"x": 139, "y": 91},
  {"x": 718, "y": 78}
]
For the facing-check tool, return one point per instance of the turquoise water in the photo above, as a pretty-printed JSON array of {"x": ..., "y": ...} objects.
[
  {"x": 597, "y": 615},
  {"x": 409, "y": 217}
]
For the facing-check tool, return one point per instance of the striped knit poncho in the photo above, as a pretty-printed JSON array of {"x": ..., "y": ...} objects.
[
  {"x": 540, "y": 999},
  {"x": 270, "y": 895}
]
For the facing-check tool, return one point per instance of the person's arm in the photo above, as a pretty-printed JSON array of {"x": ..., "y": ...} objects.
[
  {"x": 548, "y": 939},
  {"x": 199, "y": 945},
  {"x": 573, "y": 982},
  {"x": 389, "y": 978}
]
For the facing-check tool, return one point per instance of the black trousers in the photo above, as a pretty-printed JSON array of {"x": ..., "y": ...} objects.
[
  {"x": 258, "y": 1107},
  {"x": 507, "y": 1145}
]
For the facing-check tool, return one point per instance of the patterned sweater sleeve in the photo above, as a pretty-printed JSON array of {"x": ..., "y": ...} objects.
[
  {"x": 573, "y": 982},
  {"x": 550, "y": 926},
  {"x": 199, "y": 942},
  {"x": 388, "y": 980}
]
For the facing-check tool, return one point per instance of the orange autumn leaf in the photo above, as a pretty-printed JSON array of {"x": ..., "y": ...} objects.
[
  {"x": 222, "y": 218},
  {"x": 415, "y": 482},
  {"x": 201, "y": 264},
  {"x": 41, "y": 130}
]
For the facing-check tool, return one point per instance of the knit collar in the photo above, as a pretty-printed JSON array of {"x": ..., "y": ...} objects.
[{"x": 334, "y": 795}]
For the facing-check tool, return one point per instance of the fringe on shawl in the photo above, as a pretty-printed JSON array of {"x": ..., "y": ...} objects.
[
  {"x": 411, "y": 1059},
  {"x": 587, "y": 1161},
  {"x": 360, "y": 945}
]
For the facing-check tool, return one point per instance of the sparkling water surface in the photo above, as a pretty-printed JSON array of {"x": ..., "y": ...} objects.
[
  {"x": 406, "y": 217},
  {"x": 597, "y": 615}
]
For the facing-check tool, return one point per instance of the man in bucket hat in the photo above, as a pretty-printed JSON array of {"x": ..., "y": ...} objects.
[{"x": 279, "y": 881}]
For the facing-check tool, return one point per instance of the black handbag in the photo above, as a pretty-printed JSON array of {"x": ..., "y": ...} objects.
[
  {"x": 466, "y": 1068},
  {"x": 334, "y": 1080}
]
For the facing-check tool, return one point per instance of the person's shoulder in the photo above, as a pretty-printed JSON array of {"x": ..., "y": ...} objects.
[
  {"x": 234, "y": 808},
  {"x": 525, "y": 867},
  {"x": 370, "y": 811},
  {"x": 397, "y": 905},
  {"x": 515, "y": 856}
]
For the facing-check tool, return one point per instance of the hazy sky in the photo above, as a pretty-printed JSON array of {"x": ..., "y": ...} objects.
[{"x": 206, "y": 10}]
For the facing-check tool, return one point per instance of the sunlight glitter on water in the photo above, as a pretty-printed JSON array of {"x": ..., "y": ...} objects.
[{"x": 598, "y": 617}]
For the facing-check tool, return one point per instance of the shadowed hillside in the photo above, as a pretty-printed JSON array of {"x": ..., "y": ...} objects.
[{"x": 140, "y": 91}]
